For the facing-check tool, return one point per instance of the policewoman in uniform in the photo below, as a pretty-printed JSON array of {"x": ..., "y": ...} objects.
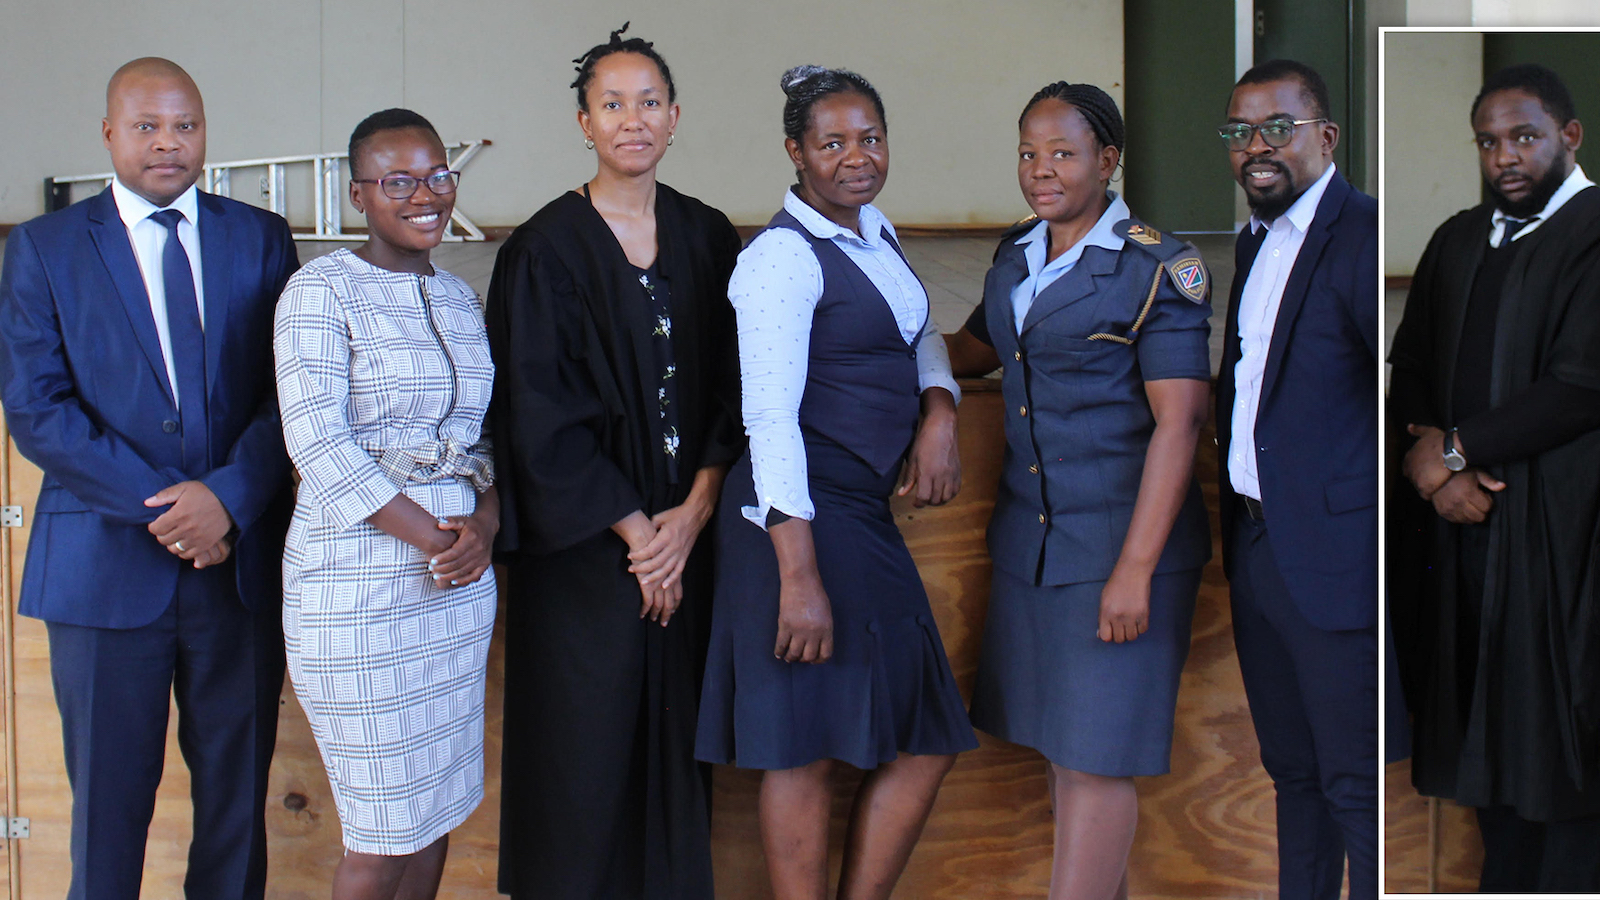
[{"x": 1099, "y": 325}]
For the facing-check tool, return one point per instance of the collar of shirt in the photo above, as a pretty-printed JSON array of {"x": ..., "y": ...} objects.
[
  {"x": 1575, "y": 182},
  {"x": 873, "y": 222},
  {"x": 135, "y": 209},
  {"x": 1034, "y": 242},
  {"x": 1304, "y": 208}
]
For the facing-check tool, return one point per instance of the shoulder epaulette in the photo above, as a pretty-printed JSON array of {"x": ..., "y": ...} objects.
[
  {"x": 1016, "y": 230},
  {"x": 1181, "y": 260}
]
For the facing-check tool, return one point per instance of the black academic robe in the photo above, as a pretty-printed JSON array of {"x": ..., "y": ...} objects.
[
  {"x": 601, "y": 795},
  {"x": 1524, "y": 729}
]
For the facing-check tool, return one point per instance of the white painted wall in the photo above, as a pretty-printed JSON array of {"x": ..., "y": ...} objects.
[
  {"x": 1534, "y": 12},
  {"x": 1430, "y": 168},
  {"x": 1438, "y": 12},
  {"x": 294, "y": 76}
]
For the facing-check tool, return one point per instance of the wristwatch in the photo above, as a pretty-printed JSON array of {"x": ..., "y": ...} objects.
[{"x": 1453, "y": 460}]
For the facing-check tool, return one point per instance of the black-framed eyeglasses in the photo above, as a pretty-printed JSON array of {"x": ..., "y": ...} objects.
[
  {"x": 1275, "y": 132},
  {"x": 401, "y": 187}
]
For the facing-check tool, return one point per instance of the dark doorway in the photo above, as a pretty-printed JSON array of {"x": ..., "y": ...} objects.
[
  {"x": 1575, "y": 56},
  {"x": 1323, "y": 35},
  {"x": 1179, "y": 65}
]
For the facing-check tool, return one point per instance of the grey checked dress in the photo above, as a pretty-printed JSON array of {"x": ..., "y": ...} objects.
[{"x": 383, "y": 380}]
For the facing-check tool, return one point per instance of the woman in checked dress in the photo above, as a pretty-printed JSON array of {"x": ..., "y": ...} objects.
[{"x": 384, "y": 377}]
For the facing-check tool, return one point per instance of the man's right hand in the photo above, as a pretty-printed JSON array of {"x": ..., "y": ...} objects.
[{"x": 1465, "y": 498}]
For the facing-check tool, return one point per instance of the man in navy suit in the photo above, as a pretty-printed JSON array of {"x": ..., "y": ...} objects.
[
  {"x": 136, "y": 371},
  {"x": 1297, "y": 428}
]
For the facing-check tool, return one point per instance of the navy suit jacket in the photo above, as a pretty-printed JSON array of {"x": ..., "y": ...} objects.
[
  {"x": 86, "y": 396},
  {"x": 1317, "y": 423}
]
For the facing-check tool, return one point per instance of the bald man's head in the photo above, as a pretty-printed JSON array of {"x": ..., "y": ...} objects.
[
  {"x": 155, "y": 128},
  {"x": 147, "y": 67}
]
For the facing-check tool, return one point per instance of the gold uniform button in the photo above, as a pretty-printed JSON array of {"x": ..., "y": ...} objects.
[
  {"x": 1033, "y": 469},
  {"x": 1023, "y": 410},
  {"x": 1019, "y": 356},
  {"x": 1041, "y": 518}
]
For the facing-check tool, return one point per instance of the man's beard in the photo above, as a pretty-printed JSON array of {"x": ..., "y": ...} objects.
[
  {"x": 1543, "y": 190},
  {"x": 1269, "y": 207}
]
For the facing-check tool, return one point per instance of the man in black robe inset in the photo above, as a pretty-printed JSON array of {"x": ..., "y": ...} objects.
[{"x": 1495, "y": 406}]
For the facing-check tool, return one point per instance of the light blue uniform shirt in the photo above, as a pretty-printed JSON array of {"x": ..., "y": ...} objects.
[{"x": 1035, "y": 244}]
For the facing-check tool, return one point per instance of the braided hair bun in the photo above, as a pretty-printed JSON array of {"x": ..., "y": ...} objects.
[
  {"x": 805, "y": 85},
  {"x": 792, "y": 78}
]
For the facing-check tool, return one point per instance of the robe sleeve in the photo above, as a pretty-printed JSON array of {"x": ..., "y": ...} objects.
[
  {"x": 1411, "y": 352},
  {"x": 724, "y": 434},
  {"x": 558, "y": 486},
  {"x": 1564, "y": 402},
  {"x": 1547, "y": 414}
]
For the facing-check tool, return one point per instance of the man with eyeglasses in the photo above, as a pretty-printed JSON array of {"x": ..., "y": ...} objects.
[
  {"x": 1297, "y": 429},
  {"x": 1495, "y": 403},
  {"x": 136, "y": 371}
]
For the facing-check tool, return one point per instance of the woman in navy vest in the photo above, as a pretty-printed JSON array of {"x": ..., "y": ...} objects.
[
  {"x": 1099, "y": 323},
  {"x": 823, "y": 647}
]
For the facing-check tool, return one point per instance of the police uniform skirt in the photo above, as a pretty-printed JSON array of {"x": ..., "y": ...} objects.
[
  {"x": 887, "y": 689},
  {"x": 1047, "y": 681}
]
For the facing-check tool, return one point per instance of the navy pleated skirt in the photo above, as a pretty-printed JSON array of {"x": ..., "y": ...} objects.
[{"x": 887, "y": 689}]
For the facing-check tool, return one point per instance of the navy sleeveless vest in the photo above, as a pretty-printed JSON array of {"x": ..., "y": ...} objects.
[{"x": 862, "y": 390}]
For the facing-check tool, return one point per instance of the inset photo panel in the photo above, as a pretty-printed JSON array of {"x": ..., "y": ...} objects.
[{"x": 1491, "y": 241}]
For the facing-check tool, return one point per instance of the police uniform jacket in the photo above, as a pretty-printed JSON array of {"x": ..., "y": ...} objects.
[{"x": 1077, "y": 418}]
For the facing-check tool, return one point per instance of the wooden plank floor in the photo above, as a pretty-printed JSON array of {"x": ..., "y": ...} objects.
[
  {"x": 1405, "y": 840},
  {"x": 1205, "y": 831}
]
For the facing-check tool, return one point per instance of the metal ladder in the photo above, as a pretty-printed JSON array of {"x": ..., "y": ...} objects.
[{"x": 326, "y": 170}]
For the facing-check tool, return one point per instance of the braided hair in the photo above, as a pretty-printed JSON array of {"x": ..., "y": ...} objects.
[
  {"x": 616, "y": 44},
  {"x": 1095, "y": 105},
  {"x": 1534, "y": 79},
  {"x": 385, "y": 120},
  {"x": 805, "y": 85}
]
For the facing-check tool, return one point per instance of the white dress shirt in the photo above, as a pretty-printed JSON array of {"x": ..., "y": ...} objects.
[
  {"x": 1035, "y": 247},
  {"x": 149, "y": 241},
  {"x": 1575, "y": 182},
  {"x": 1258, "y": 311},
  {"x": 775, "y": 289}
]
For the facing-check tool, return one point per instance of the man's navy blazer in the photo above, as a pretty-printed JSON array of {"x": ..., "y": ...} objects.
[
  {"x": 85, "y": 391},
  {"x": 1317, "y": 423}
]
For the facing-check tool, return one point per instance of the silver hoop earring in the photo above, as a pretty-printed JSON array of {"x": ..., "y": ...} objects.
[
  {"x": 669, "y": 140},
  {"x": 588, "y": 144}
]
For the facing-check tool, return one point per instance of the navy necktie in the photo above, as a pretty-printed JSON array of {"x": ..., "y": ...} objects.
[
  {"x": 1512, "y": 226},
  {"x": 188, "y": 343}
]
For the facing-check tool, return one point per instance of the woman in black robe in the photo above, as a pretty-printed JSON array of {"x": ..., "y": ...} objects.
[{"x": 616, "y": 416}]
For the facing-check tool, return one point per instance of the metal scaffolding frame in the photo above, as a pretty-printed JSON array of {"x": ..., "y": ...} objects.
[{"x": 326, "y": 188}]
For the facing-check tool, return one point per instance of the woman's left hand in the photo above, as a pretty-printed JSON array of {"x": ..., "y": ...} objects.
[
  {"x": 933, "y": 468},
  {"x": 660, "y": 563},
  {"x": 469, "y": 557},
  {"x": 1124, "y": 607}
]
